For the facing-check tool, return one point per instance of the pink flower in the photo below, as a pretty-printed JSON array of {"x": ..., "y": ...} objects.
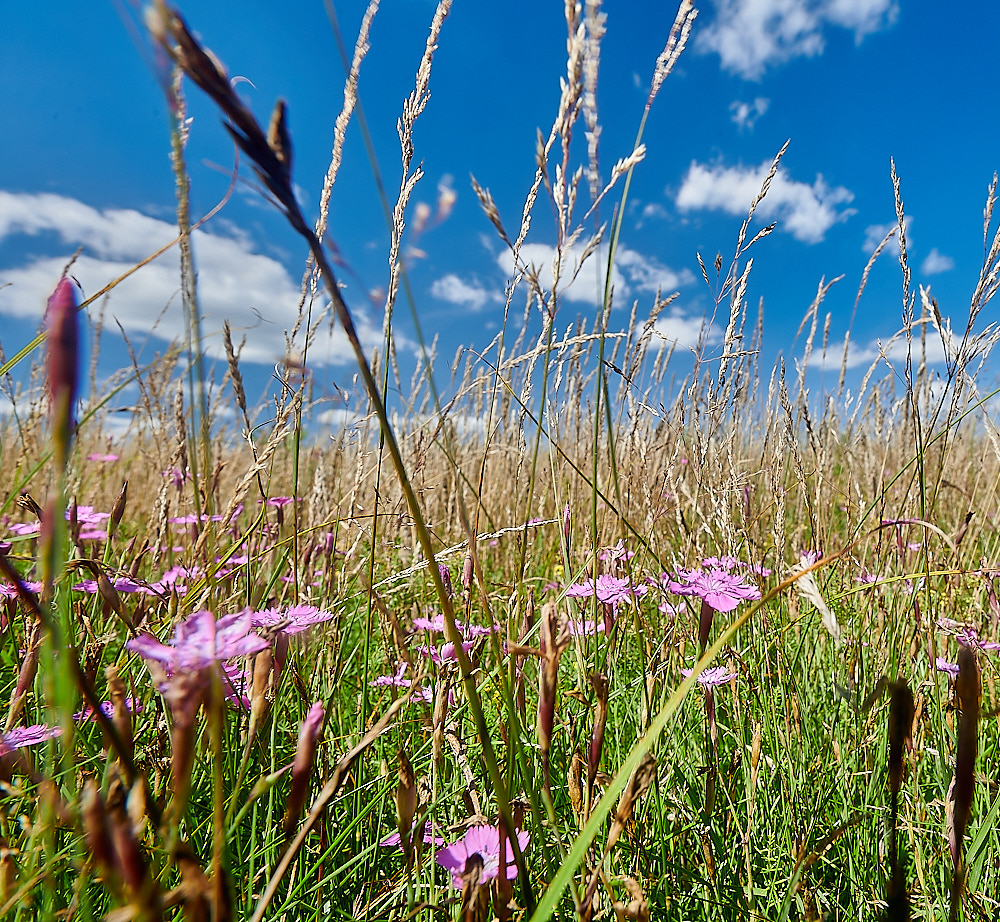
[
  {"x": 7, "y": 591},
  {"x": 584, "y": 628},
  {"x": 711, "y": 677},
  {"x": 445, "y": 652},
  {"x": 122, "y": 584},
  {"x": 105, "y": 459},
  {"x": 723, "y": 591},
  {"x": 281, "y": 501},
  {"x": 944, "y": 666},
  {"x": 428, "y": 837},
  {"x": 611, "y": 590},
  {"x": 108, "y": 709},
  {"x": 294, "y": 620},
  {"x": 399, "y": 679},
  {"x": 485, "y": 842},
  {"x": 200, "y": 640},
  {"x": 724, "y": 563},
  {"x": 436, "y": 624},
  {"x": 27, "y": 736}
]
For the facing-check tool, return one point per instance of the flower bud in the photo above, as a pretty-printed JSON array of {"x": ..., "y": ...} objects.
[
  {"x": 305, "y": 752},
  {"x": 118, "y": 509},
  {"x": 406, "y": 804},
  {"x": 62, "y": 364},
  {"x": 446, "y": 579}
]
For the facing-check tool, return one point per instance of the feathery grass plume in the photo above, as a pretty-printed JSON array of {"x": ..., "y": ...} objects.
[
  {"x": 968, "y": 691},
  {"x": 901, "y": 714},
  {"x": 62, "y": 366},
  {"x": 805, "y": 584}
]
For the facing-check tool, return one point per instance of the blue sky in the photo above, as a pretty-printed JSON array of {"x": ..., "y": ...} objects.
[{"x": 850, "y": 82}]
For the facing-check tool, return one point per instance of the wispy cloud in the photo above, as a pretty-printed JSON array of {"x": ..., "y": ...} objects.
[
  {"x": 633, "y": 273},
  {"x": 256, "y": 293},
  {"x": 745, "y": 114},
  {"x": 890, "y": 348},
  {"x": 806, "y": 211},
  {"x": 469, "y": 294},
  {"x": 875, "y": 234},
  {"x": 685, "y": 331},
  {"x": 936, "y": 262},
  {"x": 751, "y": 35}
]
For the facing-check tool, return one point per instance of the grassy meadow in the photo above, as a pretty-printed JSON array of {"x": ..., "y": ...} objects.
[{"x": 554, "y": 633}]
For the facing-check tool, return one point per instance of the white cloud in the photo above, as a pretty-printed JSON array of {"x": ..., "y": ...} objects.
[
  {"x": 454, "y": 290},
  {"x": 805, "y": 211},
  {"x": 936, "y": 262},
  {"x": 683, "y": 330},
  {"x": 875, "y": 234},
  {"x": 631, "y": 273},
  {"x": 745, "y": 114},
  {"x": 256, "y": 293},
  {"x": 893, "y": 347},
  {"x": 653, "y": 210},
  {"x": 750, "y": 35}
]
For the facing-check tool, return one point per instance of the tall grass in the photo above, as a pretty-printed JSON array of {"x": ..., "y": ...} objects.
[{"x": 590, "y": 640}]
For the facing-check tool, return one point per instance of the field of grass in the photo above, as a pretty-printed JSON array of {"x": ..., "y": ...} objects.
[{"x": 560, "y": 636}]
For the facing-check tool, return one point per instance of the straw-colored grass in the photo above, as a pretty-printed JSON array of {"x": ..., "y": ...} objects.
[{"x": 811, "y": 782}]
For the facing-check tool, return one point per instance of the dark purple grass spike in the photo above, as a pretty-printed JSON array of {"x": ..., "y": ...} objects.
[{"x": 901, "y": 711}]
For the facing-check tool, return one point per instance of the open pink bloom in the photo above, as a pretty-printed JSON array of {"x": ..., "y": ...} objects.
[
  {"x": 867, "y": 577},
  {"x": 584, "y": 628},
  {"x": 107, "y": 459},
  {"x": 122, "y": 584},
  {"x": 611, "y": 590},
  {"x": 944, "y": 666},
  {"x": 399, "y": 679},
  {"x": 711, "y": 677},
  {"x": 7, "y": 591},
  {"x": 727, "y": 562},
  {"x": 200, "y": 640},
  {"x": 299, "y": 617},
  {"x": 723, "y": 591},
  {"x": 445, "y": 652},
  {"x": 428, "y": 837},
  {"x": 282, "y": 500},
  {"x": 437, "y": 625},
  {"x": 86, "y": 518},
  {"x": 485, "y": 842},
  {"x": 108, "y": 709},
  {"x": 27, "y": 736}
]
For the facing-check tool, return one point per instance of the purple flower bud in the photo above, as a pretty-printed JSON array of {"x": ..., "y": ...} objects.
[
  {"x": 305, "y": 752},
  {"x": 446, "y": 579},
  {"x": 62, "y": 362}
]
